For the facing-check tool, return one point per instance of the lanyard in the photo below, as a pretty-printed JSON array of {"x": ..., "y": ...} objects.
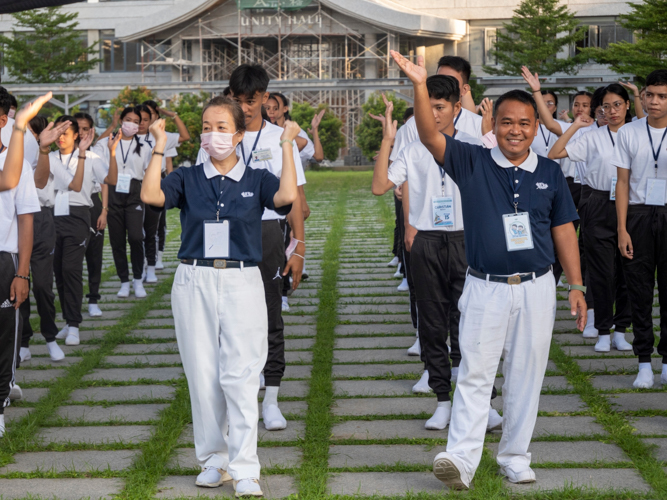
[
  {"x": 69, "y": 160},
  {"x": 2, "y": 148},
  {"x": 253, "y": 146},
  {"x": 515, "y": 184},
  {"x": 148, "y": 141},
  {"x": 442, "y": 170},
  {"x": 122, "y": 153},
  {"x": 456, "y": 120},
  {"x": 655, "y": 155},
  {"x": 546, "y": 140},
  {"x": 218, "y": 195},
  {"x": 612, "y": 137}
]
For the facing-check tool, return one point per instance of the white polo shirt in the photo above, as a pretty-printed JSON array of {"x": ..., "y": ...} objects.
[
  {"x": 595, "y": 149},
  {"x": 46, "y": 195},
  {"x": 633, "y": 152},
  {"x": 309, "y": 150},
  {"x": 416, "y": 165},
  {"x": 169, "y": 149},
  {"x": 571, "y": 168},
  {"x": 63, "y": 168},
  {"x": 14, "y": 202},
  {"x": 127, "y": 160},
  {"x": 466, "y": 122},
  {"x": 30, "y": 146},
  {"x": 544, "y": 140}
]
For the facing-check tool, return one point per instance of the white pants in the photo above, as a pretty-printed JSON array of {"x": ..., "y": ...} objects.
[
  {"x": 515, "y": 321},
  {"x": 221, "y": 329}
]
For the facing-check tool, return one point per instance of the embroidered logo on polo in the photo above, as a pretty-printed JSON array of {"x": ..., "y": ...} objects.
[
  {"x": 541, "y": 185},
  {"x": 6, "y": 304},
  {"x": 247, "y": 194}
]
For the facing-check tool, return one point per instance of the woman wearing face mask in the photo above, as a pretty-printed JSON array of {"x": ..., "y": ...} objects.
[
  {"x": 75, "y": 171},
  {"x": 128, "y": 158},
  {"x": 218, "y": 295}
]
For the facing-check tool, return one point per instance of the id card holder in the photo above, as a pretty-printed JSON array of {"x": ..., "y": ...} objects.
[
  {"x": 655, "y": 191},
  {"x": 517, "y": 232},
  {"x": 123, "y": 183},
  {"x": 61, "y": 206},
  {"x": 216, "y": 239},
  {"x": 443, "y": 211},
  {"x": 577, "y": 179},
  {"x": 612, "y": 191},
  {"x": 262, "y": 155}
]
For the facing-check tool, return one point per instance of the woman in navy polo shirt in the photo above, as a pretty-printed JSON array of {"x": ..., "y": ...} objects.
[{"x": 218, "y": 295}]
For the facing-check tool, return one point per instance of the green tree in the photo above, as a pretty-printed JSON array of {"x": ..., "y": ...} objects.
[
  {"x": 648, "y": 22},
  {"x": 127, "y": 97},
  {"x": 369, "y": 131},
  {"x": 50, "y": 51},
  {"x": 477, "y": 89},
  {"x": 539, "y": 30},
  {"x": 189, "y": 108},
  {"x": 331, "y": 137}
]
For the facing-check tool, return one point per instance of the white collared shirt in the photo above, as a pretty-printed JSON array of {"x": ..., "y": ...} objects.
[
  {"x": 14, "y": 202},
  {"x": 30, "y": 146},
  {"x": 127, "y": 160},
  {"x": 309, "y": 149},
  {"x": 595, "y": 149},
  {"x": 63, "y": 170},
  {"x": 236, "y": 173},
  {"x": 529, "y": 164},
  {"x": 169, "y": 149},
  {"x": 570, "y": 168}
]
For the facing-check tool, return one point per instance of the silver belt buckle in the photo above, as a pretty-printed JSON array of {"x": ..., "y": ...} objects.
[
  {"x": 220, "y": 264},
  {"x": 514, "y": 280}
]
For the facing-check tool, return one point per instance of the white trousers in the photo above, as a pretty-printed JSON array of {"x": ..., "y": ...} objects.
[
  {"x": 515, "y": 321},
  {"x": 221, "y": 329}
]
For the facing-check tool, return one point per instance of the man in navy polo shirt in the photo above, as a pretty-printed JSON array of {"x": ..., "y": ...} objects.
[{"x": 516, "y": 209}]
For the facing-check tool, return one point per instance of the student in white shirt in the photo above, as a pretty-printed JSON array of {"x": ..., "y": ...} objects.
[
  {"x": 605, "y": 279},
  {"x": 641, "y": 192}
]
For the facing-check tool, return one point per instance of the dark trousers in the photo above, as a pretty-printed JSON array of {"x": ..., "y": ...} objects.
[
  {"x": 606, "y": 280},
  {"x": 10, "y": 320},
  {"x": 405, "y": 259},
  {"x": 647, "y": 227},
  {"x": 94, "y": 253},
  {"x": 162, "y": 230},
  {"x": 271, "y": 267},
  {"x": 151, "y": 222},
  {"x": 72, "y": 235},
  {"x": 398, "y": 244},
  {"x": 126, "y": 223}
]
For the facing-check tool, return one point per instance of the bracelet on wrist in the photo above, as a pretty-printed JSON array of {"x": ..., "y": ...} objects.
[
  {"x": 158, "y": 153},
  {"x": 19, "y": 129},
  {"x": 299, "y": 255},
  {"x": 22, "y": 277},
  {"x": 82, "y": 158},
  {"x": 285, "y": 141},
  {"x": 581, "y": 288},
  {"x": 44, "y": 152}
]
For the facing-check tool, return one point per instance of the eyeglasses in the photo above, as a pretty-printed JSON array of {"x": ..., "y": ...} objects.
[
  {"x": 549, "y": 103},
  {"x": 606, "y": 108}
]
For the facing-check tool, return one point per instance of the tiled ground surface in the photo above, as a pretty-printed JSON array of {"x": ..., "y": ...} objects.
[{"x": 126, "y": 396}]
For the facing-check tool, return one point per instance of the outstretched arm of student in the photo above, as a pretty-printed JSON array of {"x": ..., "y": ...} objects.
[
  {"x": 183, "y": 134},
  {"x": 46, "y": 138},
  {"x": 314, "y": 130},
  {"x": 20, "y": 288},
  {"x": 639, "y": 110},
  {"x": 84, "y": 144},
  {"x": 112, "y": 176},
  {"x": 558, "y": 150},
  {"x": 567, "y": 250},
  {"x": 151, "y": 189},
  {"x": 381, "y": 183},
  {"x": 545, "y": 117},
  {"x": 622, "y": 200},
  {"x": 288, "y": 192}
]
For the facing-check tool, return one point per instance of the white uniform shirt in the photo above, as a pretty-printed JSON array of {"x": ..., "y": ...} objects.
[
  {"x": 416, "y": 165},
  {"x": 269, "y": 139},
  {"x": 169, "y": 149},
  {"x": 633, "y": 152},
  {"x": 466, "y": 122},
  {"x": 127, "y": 161},
  {"x": 544, "y": 140},
  {"x": 571, "y": 168},
  {"x": 595, "y": 149},
  {"x": 46, "y": 195},
  {"x": 14, "y": 202},
  {"x": 30, "y": 146},
  {"x": 63, "y": 171},
  {"x": 309, "y": 150}
]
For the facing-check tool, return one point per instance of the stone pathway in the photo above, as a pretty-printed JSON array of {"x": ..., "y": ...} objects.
[{"x": 113, "y": 418}]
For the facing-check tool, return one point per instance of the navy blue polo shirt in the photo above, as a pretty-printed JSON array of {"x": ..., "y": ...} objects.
[
  {"x": 487, "y": 194},
  {"x": 244, "y": 193}
]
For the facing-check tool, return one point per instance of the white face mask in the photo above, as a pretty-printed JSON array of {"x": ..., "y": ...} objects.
[
  {"x": 218, "y": 145},
  {"x": 129, "y": 129},
  {"x": 11, "y": 113}
]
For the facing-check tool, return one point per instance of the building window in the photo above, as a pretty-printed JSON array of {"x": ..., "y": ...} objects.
[
  {"x": 481, "y": 42},
  {"x": 601, "y": 36},
  {"x": 117, "y": 55}
]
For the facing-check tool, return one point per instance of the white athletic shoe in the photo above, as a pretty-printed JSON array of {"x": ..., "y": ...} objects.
[
  {"x": 94, "y": 310},
  {"x": 416, "y": 349},
  {"x": 521, "y": 476},
  {"x": 212, "y": 477},
  {"x": 619, "y": 343},
  {"x": 440, "y": 418},
  {"x": 247, "y": 488},
  {"x": 139, "y": 290},
  {"x": 15, "y": 392},
  {"x": 24, "y": 354},
  {"x": 273, "y": 418},
  {"x": 644, "y": 379},
  {"x": 124, "y": 291},
  {"x": 159, "y": 265},
  {"x": 55, "y": 351},
  {"x": 422, "y": 386},
  {"x": 393, "y": 262},
  {"x": 398, "y": 273},
  {"x": 262, "y": 382},
  {"x": 450, "y": 471},
  {"x": 150, "y": 275},
  {"x": 62, "y": 334},
  {"x": 663, "y": 376},
  {"x": 403, "y": 287},
  {"x": 560, "y": 284},
  {"x": 72, "y": 336},
  {"x": 603, "y": 344},
  {"x": 455, "y": 374},
  {"x": 2, "y": 425},
  {"x": 590, "y": 332},
  {"x": 285, "y": 305},
  {"x": 495, "y": 421}
]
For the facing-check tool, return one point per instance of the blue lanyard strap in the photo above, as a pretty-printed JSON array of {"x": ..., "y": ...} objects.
[
  {"x": 148, "y": 141},
  {"x": 612, "y": 137},
  {"x": 656, "y": 155},
  {"x": 2, "y": 148},
  {"x": 247, "y": 162},
  {"x": 218, "y": 194},
  {"x": 515, "y": 184},
  {"x": 122, "y": 153},
  {"x": 546, "y": 140},
  {"x": 456, "y": 120}
]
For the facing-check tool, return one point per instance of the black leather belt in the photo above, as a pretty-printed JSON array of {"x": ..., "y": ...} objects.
[
  {"x": 218, "y": 263},
  {"x": 516, "y": 279}
]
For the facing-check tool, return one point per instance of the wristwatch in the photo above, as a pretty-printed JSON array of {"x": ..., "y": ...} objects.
[{"x": 581, "y": 288}]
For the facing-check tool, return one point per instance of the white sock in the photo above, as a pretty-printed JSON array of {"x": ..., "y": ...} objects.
[
  {"x": 440, "y": 418},
  {"x": 455, "y": 374},
  {"x": 270, "y": 396},
  {"x": 663, "y": 377},
  {"x": 422, "y": 386},
  {"x": 644, "y": 378}
]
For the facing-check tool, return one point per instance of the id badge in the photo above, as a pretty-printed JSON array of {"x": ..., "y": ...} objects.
[
  {"x": 655, "y": 191},
  {"x": 517, "y": 232},
  {"x": 62, "y": 203},
  {"x": 577, "y": 179},
  {"x": 443, "y": 211},
  {"x": 612, "y": 191},
  {"x": 123, "y": 183},
  {"x": 216, "y": 239},
  {"x": 262, "y": 155}
]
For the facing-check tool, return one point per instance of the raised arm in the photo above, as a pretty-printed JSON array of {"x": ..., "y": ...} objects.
[
  {"x": 46, "y": 138},
  {"x": 151, "y": 188},
  {"x": 114, "y": 124},
  {"x": 558, "y": 150},
  {"x": 381, "y": 183},
  {"x": 632, "y": 88},
  {"x": 84, "y": 144},
  {"x": 314, "y": 124},
  {"x": 112, "y": 176},
  {"x": 183, "y": 134},
  {"x": 288, "y": 191},
  {"x": 545, "y": 117}
]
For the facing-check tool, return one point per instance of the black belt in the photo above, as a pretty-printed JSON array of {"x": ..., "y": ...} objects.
[
  {"x": 218, "y": 263},
  {"x": 515, "y": 279}
]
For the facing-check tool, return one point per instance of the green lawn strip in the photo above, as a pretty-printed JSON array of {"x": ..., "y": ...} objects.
[{"x": 618, "y": 427}]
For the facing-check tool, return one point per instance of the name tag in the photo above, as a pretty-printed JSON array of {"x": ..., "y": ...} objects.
[
  {"x": 577, "y": 179},
  {"x": 517, "y": 232},
  {"x": 612, "y": 191},
  {"x": 123, "y": 183},
  {"x": 655, "y": 191},
  {"x": 61, "y": 206},
  {"x": 443, "y": 211},
  {"x": 216, "y": 239},
  {"x": 262, "y": 155}
]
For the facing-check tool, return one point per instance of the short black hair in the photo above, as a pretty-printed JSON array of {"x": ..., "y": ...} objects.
[
  {"x": 277, "y": 95},
  {"x": 408, "y": 113},
  {"x": 38, "y": 124},
  {"x": 226, "y": 91},
  {"x": 151, "y": 104},
  {"x": 247, "y": 80},
  {"x": 457, "y": 64},
  {"x": 144, "y": 108},
  {"x": 443, "y": 87},
  {"x": 5, "y": 102},
  {"x": 657, "y": 77},
  {"x": 232, "y": 106},
  {"x": 14, "y": 103},
  {"x": 518, "y": 96},
  {"x": 84, "y": 116}
]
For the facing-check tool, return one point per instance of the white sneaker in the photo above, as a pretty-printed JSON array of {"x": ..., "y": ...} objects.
[
  {"x": 644, "y": 379},
  {"x": 2, "y": 425},
  {"x": 139, "y": 290},
  {"x": 398, "y": 273},
  {"x": 273, "y": 418},
  {"x": 603, "y": 344},
  {"x": 247, "y": 488},
  {"x": 55, "y": 351},
  {"x": 159, "y": 265},
  {"x": 72, "y": 336},
  {"x": 393, "y": 262},
  {"x": 450, "y": 471},
  {"x": 440, "y": 418},
  {"x": 62, "y": 334},
  {"x": 560, "y": 284},
  {"x": 422, "y": 386},
  {"x": 522, "y": 476},
  {"x": 619, "y": 343},
  {"x": 124, "y": 291},
  {"x": 285, "y": 305},
  {"x": 15, "y": 393},
  {"x": 262, "y": 382},
  {"x": 495, "y": 421},
  {"x": 455, "y": 374},
  {"x": 590, "y": 332},
  {"x": 24, "y": 354},
  {"x": 212, "y": 477},
  {"x": 415, "y": 350},
  {"x": 94, "y": 310},
  {"x": 403, "y": 287},
  {"x": 150, "y": 275}
]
